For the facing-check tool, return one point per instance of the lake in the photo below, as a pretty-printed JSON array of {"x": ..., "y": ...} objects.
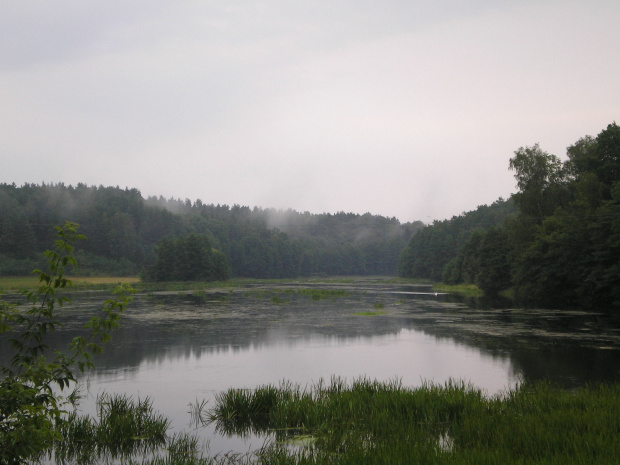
[{"x": 181, "y": 347}]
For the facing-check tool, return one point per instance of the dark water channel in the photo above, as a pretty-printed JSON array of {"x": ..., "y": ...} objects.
[{"x": 179, "y": 347}]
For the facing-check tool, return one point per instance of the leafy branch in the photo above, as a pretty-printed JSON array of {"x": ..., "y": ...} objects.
[{"x": 31, "y": 407}]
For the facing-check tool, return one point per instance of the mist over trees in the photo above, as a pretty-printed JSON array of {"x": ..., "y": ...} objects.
[
  {"x": 559, "y": 249},
  {"x": 555, "y": 242},
  {"x": 126, "y": 231}
]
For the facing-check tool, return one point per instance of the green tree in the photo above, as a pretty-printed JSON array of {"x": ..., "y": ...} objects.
[
  {"x": 608, "y": 154},
  {"x": 572, "y": 258},
  {"x": 581, "y": 157},
  {"x": 465, "y": 267},
  {"x": 164, "y": 267},
  {"x": 494, "y": 273},
  {"x": 433, "y": 247},
  {"x": 17, "y": 239},
  {"x": 188, "y": 258},
  {"x": 539, "y": 178},
  {"x": 33, "y": 386}
]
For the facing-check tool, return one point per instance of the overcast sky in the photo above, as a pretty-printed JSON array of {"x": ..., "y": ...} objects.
[{"x": 395, "y": 107}]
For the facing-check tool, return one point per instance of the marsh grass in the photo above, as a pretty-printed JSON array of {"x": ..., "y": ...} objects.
[
  {"x": 198, "y": 413},
  {"x": 125, "y": 427},
  {"x": 372, "y": 422},
  {"x": 366, "y": 422}
]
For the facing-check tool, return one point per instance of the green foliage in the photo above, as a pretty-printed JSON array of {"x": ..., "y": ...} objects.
[
  {"x": 436, "y": 245},
  {"x": 562, "y": 250},
  {"x": 607, "y": 153},
  {"x": 540, "y": 179},
  {"x": 572, "y": 259},
  {"x": 124, "y": 231},
  {"x": 32, "y": 387},
  {"x": 465, "y": 267},
  {"x": 495, "y": 274},
  {"x": 188, "y": 258}
]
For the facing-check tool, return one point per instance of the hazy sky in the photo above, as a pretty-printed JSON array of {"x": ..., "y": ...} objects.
[{"x": 395, "y": 107}]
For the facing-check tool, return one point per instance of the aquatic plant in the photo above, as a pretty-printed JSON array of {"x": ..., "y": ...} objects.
[
  {"x": 243, "y": 411},
  {"x": 124, "y": 427},
  {"x": 371, "y": 422},
  {"x": 198, "y": 413}
]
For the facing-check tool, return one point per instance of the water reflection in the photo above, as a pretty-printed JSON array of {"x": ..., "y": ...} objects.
[
  {"x": 179, "y": 347},
  {"x": 568, "y": 347}
]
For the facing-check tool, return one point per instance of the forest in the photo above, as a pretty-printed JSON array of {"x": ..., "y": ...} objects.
[
  {"x": 170, "y": 239},
  {"x": 555, "y": 243}
]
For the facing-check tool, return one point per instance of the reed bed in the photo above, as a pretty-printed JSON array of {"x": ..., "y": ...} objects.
[{"x": 372, "y": 422}]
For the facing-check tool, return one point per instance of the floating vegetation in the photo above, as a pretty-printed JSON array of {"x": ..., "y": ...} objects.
[
  {"x": 318, "y": 294},
  {"x": 276, "y": 299},
  {"x": 378, "y": 305},
  {"x": 369, "y": 313},
  {"x": 284, "y": 296},
  {"x": 220, "y": 298}
]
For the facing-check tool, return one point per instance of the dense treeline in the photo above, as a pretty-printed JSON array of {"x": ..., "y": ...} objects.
[
  {"x": 435, "y": 245},
  {"x": 561, "y": 249},
  {"x": 187, "y": 258},
  {"x": 125, "y": 231}
]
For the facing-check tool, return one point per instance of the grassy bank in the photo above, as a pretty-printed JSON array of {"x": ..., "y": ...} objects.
[
  {"x": 370, "y": 422},
  {"x": 14, "y": 283},
  {"x": 468, "y": 290}
]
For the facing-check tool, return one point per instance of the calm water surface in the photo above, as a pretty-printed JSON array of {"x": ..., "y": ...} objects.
[{"x": 177, "y": 348}]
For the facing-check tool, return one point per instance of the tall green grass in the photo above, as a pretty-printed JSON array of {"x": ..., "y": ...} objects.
[
  {"x": 371, "y": 422},
  {"x": 366, "y": 422},
  {"x": 125, "y": 427}
]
